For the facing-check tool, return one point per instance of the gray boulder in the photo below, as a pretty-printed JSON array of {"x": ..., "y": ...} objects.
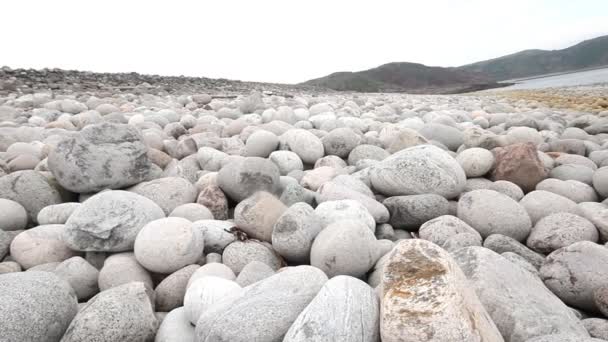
[
  {"x": 518, "y": 302},
  {"x": 344, "y": 247},
  {"x": 40, "y": 245},
  {"x": 294, "y": 232},
  {"x": 102, "y": 156},
  {"x": 175, "y": 327},
  {"x": 120, "y": 269},
  {"x": 417, "y": 170},
  {"x": 30, "y": 189},
  {"x": 502, "y": 244},
  {"x": 410, "y": 212},
  {"x": 541, "y": 203},
  {"x": 560, "y": 230},
  {"x": 345, "y": 310},
  {"x": 239, "y": 253},
  {"x": 242, "y": 178},
  {"x": 169, "y": 293},
  {"x": 273, "y": 304},
  {"x": 110, "y": 221},
  {"x": 333, "y": 211},
  {"x": 36, "y": 306},
  {"x": 507, "y": 216},
  {"x": 254, "y": 272},
  {"x": 573, "y": 273},
  {"x": 57, "y": 213},
  {"x": 168, "y": 192},
  {"x": 216, "y": 234},
  {"x": 81, "y": 275},
  {"x": 169, "y": 244},
  {"x": 13, "y": 215},
  {"x": 257, "y": 214},
  {"x": 128, "y": 304},
  {"x": 439, "y": 230}
]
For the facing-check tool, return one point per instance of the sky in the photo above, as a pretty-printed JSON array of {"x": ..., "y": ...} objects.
[{"x": 283, "y": 41}]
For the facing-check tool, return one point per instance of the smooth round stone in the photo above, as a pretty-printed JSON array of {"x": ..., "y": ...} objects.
[
  {"x": 573, "y": 273},
  {"x": 477, "y": 184},
  {"x": 333, "y": 211},
  {"x": 274, "y": 302},
  {"x": 571, "y": 189},
  {"x": 239, "y": 253},
  {"x": 101, "y": 156},
  {"x": 216, "y": 233},
  {"x": 476, "y": 161},
  {"x": 40, "y": 245},
  {"x": 410, "y": 212},
  {"x": 305, "y": 144},
  {"x": 256, "y": 215},
  {"x": 294, "y": 232},
  {"x": 600, "y": 181},
  {"x": 418, "y": 170},
  {"x": 170, "y": 291},
  {"x": 451, "y": 137},
  {"x": 507, "y": 216},
  {"x": 560, "y": 230},
  {"x": 109, "y": 221},
  {"x": 36, "y": 306},
  {"x": 597, "y": 327},
  {"x": 333, "y": 191},
  {"x": 30, "y": 189},
  {"x": 122, "y": 268},
  {"x": 345, "y": 247},
  {"x": 508, "y": 188},
  {"x": 345, "y": 309},
  {"x": 9, "y": 267},
  {"x": 502, "y": 244},
  {"x": 241, "y": 179},
  {"x": 260, "y": 144},
  {"x": 81, "y": 275},
  {"x": 286, "y": 161},
  {"x": 192, "y": 212},
  {"x": 57, "y": 213},
  {"x": 175, "y": 327},
  {"x": 600, "y": 298},
  {"x": 129, "y": 302},
  {"x": 254, "y": 272},
  {"x": 205, "y": 292},
  {"x": 462, "y": 240},
  {"x": 340, "y": 142},
  {"x": 363, "y": 152},
  {"x": 168, "y": 193},
  {"x": 442, "y": 228},
  {"x": 576, "y": 172},
  {"x": 541, "y": 203},
  {"x": 12, "y": 215},
  {"x": 210, "y": 159},
  {"x": 211, "y": 269},
  {"x": 213, "y": 198},
  {"x": 565, "y": 159},
  {"x": 168, "y": 244}
]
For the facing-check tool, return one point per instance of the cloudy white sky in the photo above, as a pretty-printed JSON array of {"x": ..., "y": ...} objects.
[{"x": 282, "y": 40}]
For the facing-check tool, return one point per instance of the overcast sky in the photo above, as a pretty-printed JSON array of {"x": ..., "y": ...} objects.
[{"x": 284, "y": 40}]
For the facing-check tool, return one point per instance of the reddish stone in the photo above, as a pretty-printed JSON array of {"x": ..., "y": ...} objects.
[
  {"x": 215, "y": 200},
  {"x": 519, "y": 163}
]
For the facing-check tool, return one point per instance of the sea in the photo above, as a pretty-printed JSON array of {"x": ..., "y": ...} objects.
[{"x": 580, "y": 78}]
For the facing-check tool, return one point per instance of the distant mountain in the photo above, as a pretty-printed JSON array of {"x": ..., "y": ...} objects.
[
  {"x": 419, "y": 78},
  {"x": 405, "y": 77},
  {"x": 587, "y": 54}
]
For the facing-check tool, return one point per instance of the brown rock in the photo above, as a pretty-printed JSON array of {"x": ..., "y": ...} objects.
[
  {"x": 214, "y": 199},
  {"x": 159, "y": 158},
  {"x": 519, "y": 163}
]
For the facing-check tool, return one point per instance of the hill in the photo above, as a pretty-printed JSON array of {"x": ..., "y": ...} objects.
[
  {"x": 587, "y": 54},
  {"x": 405, "y": 77}
]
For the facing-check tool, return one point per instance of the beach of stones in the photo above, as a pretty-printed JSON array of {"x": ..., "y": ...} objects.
[{"x": 326, "y": 217}]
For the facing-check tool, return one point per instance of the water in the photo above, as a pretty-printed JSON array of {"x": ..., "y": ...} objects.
[{"x": 565, "y": 80}]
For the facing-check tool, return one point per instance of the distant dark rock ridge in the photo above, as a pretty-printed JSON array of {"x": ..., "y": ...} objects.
[{"x": 587, "y": 54}]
